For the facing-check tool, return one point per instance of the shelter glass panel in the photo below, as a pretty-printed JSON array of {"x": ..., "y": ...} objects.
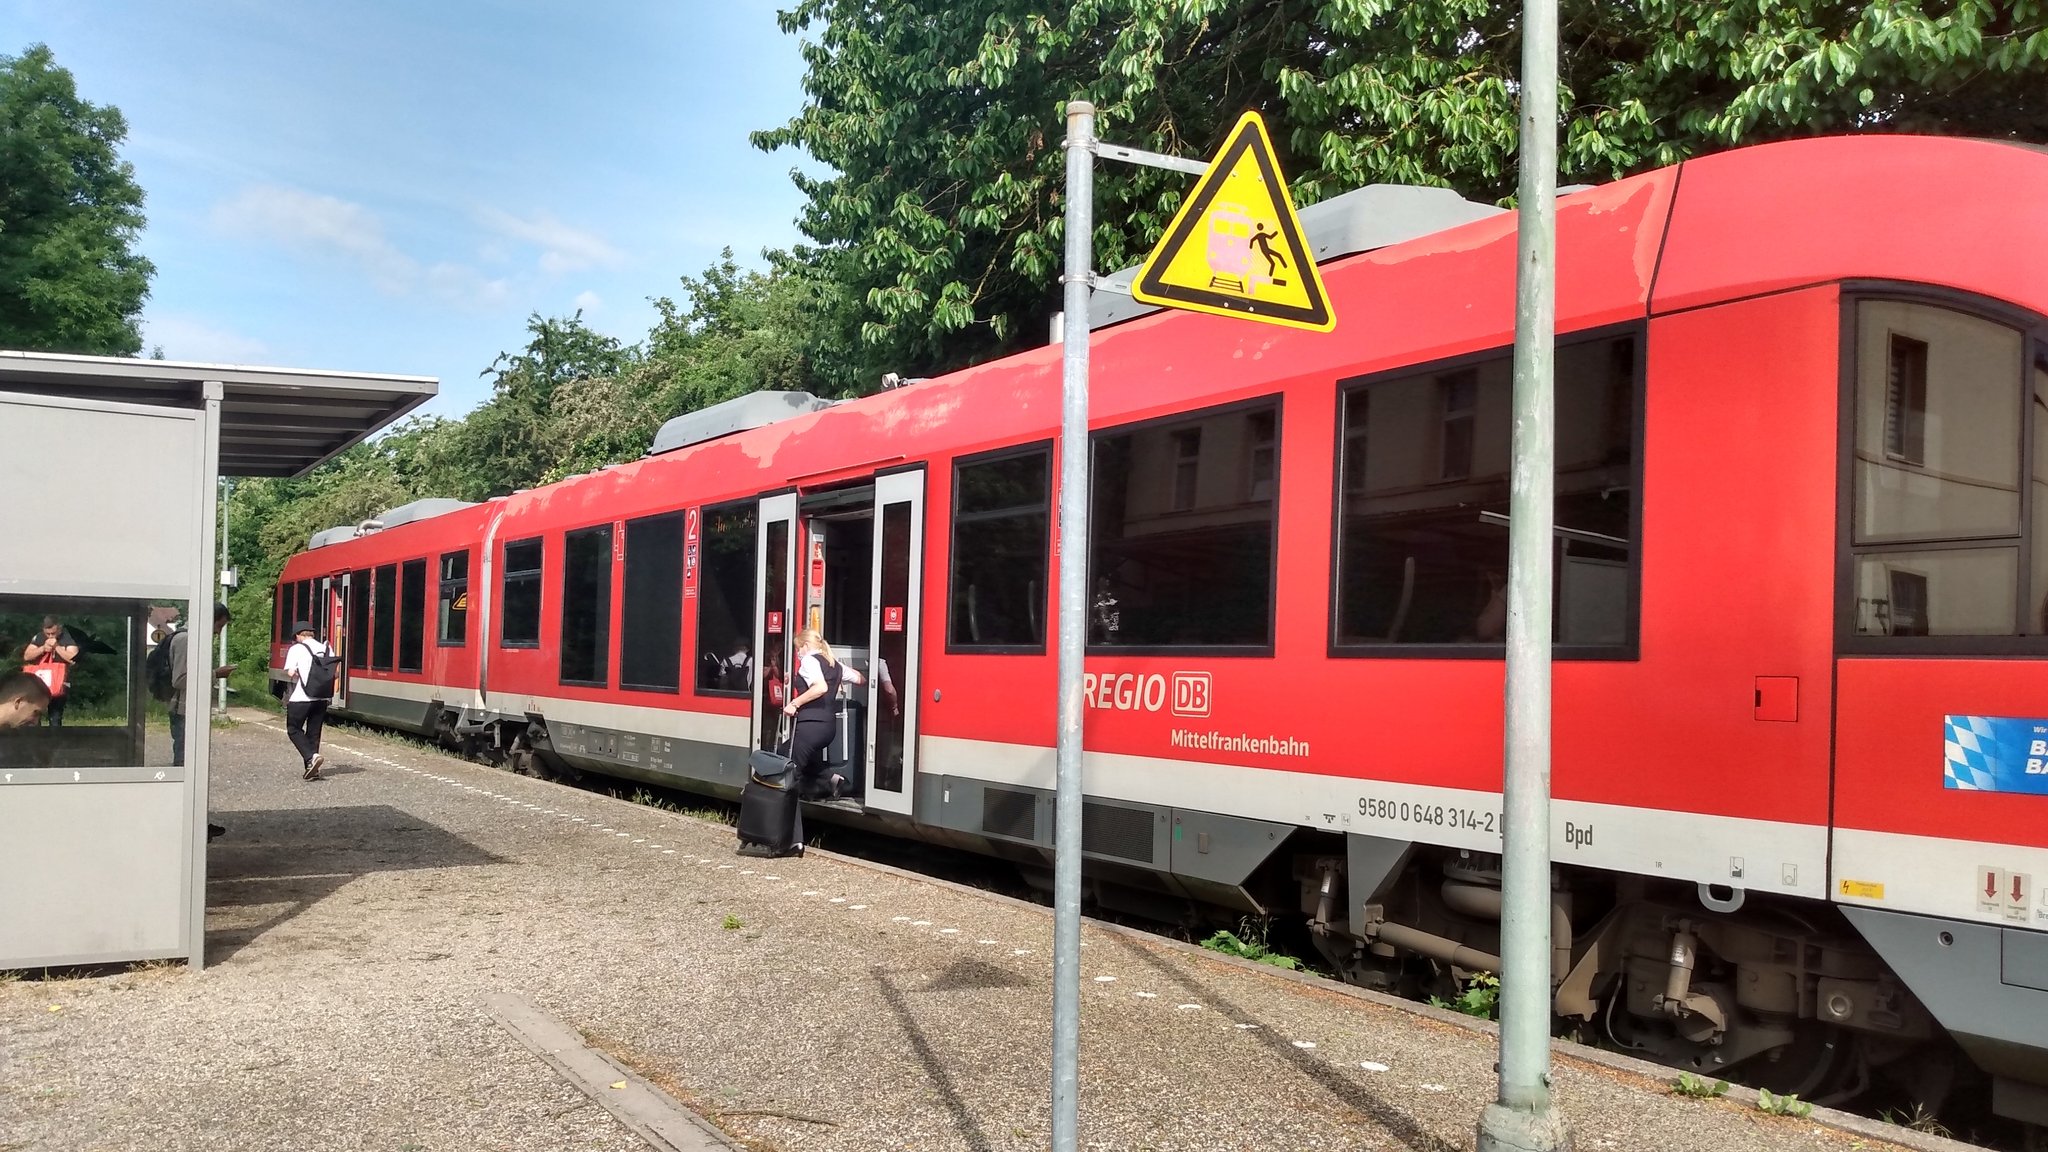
[
  {"x": 725, "y": 601},
  {"x": 587, "y": 606},
  {"x": 1182, "y": 532},
  {"x": 90, "y": 683},
  {"x": 651, "y": 619},
  {"x": 1001, "y": 526},
  {"x": 1422, "y": 534}
]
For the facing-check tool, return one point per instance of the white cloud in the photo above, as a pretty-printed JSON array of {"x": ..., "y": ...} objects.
[
  {"x": 184, "y": 338},
  {"x": 562, "y": 248},
  {"x": 588, "y": 302},
  {"x": 311, "y": 222}
]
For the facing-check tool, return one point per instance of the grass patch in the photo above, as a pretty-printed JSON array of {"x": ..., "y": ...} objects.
[
  {"x": 733, "y": 923},
  {"x": 1918, "y": 1120},
  {"x": 1249, "y": 943},
  {"x": 1479, "y": 996},
  {"x": 1789, "y": 1104},
  {"x": 1698, "y": 1087}
]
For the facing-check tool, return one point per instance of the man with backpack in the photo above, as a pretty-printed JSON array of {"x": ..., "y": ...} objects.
[{"x": 310, "y": 667}]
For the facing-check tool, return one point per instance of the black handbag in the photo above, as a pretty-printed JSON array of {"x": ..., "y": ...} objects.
[{"x": 773, "y": 768}]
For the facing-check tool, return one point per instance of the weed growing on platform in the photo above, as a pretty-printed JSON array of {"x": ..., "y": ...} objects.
[
  {"x": 1786, "y": 1105},
  {"x": 1250, "y": 946},
  {"x": 1698, "y": 1086},
  {"x": 733, "y": 923},
  {"x": 1918, "y": 1120},
  {"x": 1480, "y": 996}
]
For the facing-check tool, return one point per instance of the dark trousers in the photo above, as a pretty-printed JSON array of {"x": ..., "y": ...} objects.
[
  {"x": 55, "y": 714},
  {"x": 303, "y": 720},
  {"x": 807, "y": 749}
]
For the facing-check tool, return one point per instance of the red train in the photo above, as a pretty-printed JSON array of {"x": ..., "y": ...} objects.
[{"x": 1802, "y": 613}]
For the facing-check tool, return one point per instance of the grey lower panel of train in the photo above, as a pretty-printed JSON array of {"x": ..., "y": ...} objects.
[
  {"x": 1986, "y": 984},
  {"x": 1199, "y": 854}
]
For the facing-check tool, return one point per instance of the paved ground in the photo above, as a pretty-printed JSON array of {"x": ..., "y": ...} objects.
[{"x": 359, "y": 923}]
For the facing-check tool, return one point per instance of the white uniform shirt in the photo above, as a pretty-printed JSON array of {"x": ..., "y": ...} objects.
[{"x": 300, "y": 660}]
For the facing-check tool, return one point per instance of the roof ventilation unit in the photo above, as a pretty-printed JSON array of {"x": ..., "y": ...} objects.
[
  {"x": 754, "y": 410},
  {"x": 1361, "y": 220},
  {"x": 420, "y": 510},
  {"x": 338, "y": 534}
]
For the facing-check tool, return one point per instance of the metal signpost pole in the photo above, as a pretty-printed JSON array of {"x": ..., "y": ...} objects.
[
  {"x": 1073, "y": 628},
  {"x": 1522, "y": 1118}
]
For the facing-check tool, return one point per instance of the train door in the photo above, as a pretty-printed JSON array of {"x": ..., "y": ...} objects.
[
  {"x": 893, "y": 641},
  {"x": 776, "y": 622},
  {"x": 334, "y": 629}
]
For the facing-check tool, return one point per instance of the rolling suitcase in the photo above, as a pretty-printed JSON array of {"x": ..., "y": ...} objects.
[{"x": 771, "y": 819}]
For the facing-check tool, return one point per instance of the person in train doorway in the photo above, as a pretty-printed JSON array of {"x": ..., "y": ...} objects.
[
  {"x": 310, "y": 668},
  {"x": 818, "y": 677},
  {"x": 49, "y": 656}
]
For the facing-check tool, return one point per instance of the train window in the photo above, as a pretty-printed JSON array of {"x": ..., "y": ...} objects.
[
  {"x": 725, "y": 601},
  {"x": 1182, "y": 537},
  {"x": 412, "y": 616},
  {"x": 651, "y": 619},
  {"x": 520, "y": 595},
  {"x": 1001, "y": 532},
  {"x": 384, "y": 606},
  {"x": 451, "y": 629},
  {"x": 358, "y": 620},
  {"x": 1941, "y": 415},
  {"x": 303, "y": 611},
  {"x": 278, "y": 622},
  {"x": 1422, "y": 541},
  {"x": 587, "y": 606}
]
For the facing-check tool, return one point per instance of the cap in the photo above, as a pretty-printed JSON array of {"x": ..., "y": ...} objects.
[{"x": 301, "y": 626}]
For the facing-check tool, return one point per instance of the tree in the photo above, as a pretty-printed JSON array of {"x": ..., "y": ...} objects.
[
  {"x": 70, "y": 212},
  {"x": 941, "y": 224}
]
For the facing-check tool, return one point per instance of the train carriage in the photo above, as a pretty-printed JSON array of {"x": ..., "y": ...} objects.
[{"x": 1801, "y": 620}]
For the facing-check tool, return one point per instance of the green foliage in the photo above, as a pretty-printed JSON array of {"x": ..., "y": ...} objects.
[
  {"x": 70, "y": 211},
  {"x": 939, "y": 229},
  {"x": 733, "y": 923},
  {"x": 570, "y": 400},
  {"x": 1782, "y": 1105},
  {"x": 1250, "y": 946},
  {"x": 1478, "y": 996},
  {"x": 1698, "y": 1086}
]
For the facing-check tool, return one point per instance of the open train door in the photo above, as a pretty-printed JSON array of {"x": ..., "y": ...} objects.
[
  {"x": 893, "y": 641},
  {"x": 334, "y": 629},
  {"x": 775, "y": 622}
]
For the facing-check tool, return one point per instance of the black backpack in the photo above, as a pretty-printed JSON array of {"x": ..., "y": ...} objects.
[
  {"x": 156, "y": 670},
  {"x": 319, "y": 681}
]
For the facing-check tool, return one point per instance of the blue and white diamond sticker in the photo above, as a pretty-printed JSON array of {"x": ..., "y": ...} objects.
[{"x": 1994, "y": 754}]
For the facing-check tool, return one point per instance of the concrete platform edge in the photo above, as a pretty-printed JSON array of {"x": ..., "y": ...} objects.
[{"x": 652, "y": 1114}]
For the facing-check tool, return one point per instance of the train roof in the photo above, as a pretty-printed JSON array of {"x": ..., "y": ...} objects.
[{"x": 1964, "y": 215}]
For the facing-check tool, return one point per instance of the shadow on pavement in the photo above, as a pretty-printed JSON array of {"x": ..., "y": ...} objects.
[
  {"x": 1397, "y": 1124},
  {"x": 274, "y": 864},
  {"x": 934, "y": 1068}
]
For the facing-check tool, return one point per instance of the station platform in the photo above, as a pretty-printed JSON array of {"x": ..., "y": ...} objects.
[{"x": 419, "y": 953}]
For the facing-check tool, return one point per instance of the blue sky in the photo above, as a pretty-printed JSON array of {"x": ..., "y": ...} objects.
[{"x": 393, "y": 187}]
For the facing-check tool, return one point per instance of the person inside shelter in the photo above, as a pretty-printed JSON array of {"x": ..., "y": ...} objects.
[
  {"x": 49, "y": 656},
  {"x": 23, "y": 700}
]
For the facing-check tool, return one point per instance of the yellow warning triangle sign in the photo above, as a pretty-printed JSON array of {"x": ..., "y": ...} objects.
[{"x": 1236, "y": 248}]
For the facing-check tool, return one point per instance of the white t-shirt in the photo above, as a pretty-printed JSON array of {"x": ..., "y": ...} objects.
[{"x": 300, "y": 660}]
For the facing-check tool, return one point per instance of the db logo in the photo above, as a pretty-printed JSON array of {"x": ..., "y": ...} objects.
[{"x": 1191, "y": 693}]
